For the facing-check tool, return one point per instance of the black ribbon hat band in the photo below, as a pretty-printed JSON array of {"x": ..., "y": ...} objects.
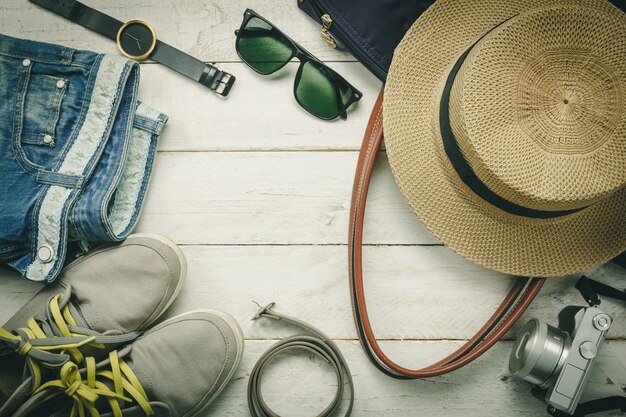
[{"x": 465, "y": 171}]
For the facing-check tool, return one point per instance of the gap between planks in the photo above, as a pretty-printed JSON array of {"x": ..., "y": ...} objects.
[
  {"x": 373, "y": 245},
  {"x": 267, "y": 150}
]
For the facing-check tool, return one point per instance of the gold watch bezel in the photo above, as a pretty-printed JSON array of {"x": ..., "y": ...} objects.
[{"x": 150, "y": 50}]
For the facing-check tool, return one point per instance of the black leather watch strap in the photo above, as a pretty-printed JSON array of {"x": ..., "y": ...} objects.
[
  {"x": 84, "y": 16},
  {"x": 219, "y": 81}
]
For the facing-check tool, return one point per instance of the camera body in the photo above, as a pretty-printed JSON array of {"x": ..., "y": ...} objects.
[{"x": 558, "y": 360}]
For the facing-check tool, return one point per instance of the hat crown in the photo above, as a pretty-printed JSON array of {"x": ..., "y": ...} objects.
[{"x": 538, "y": 107}]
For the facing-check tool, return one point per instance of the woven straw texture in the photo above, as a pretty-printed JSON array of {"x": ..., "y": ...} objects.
[{"x": 539, "y": 112}]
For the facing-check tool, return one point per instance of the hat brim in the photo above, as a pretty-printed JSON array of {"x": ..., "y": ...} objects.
[{"x": 463, "y": 221}]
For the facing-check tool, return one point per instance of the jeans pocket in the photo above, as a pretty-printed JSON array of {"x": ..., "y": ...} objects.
[{"x": 42, "y": 107}]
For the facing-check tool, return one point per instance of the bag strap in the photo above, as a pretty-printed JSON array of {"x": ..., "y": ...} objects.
[{"x": 515, "y": 303}]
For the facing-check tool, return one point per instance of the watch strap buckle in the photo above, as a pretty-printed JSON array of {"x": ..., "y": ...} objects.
[
  {"x": 220, "y": 82},
  {"x": 225, "y": 82}
]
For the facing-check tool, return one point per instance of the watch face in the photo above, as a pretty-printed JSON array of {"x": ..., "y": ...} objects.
[{"x": 136, "y": 40}]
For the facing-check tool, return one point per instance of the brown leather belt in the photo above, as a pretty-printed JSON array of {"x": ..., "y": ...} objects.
[{"x": 515, "y": 303}]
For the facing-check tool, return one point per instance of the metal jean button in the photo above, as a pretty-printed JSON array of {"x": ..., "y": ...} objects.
[{"x": 45, "y": 253}]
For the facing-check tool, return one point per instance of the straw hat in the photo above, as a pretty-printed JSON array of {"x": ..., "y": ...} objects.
[{"x": 505, "y": 126}]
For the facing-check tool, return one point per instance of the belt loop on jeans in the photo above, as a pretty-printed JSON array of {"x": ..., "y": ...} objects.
[{"x": 62, "y": 180}]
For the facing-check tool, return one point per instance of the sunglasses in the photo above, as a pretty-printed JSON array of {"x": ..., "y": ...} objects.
[{"x": 318, "y": 89}]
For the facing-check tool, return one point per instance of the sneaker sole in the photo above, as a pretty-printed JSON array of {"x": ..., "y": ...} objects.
[{"x": 230, "y": 320}]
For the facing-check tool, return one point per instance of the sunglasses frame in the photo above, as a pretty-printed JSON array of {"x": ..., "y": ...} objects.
[{"x": 303, "y": 56}]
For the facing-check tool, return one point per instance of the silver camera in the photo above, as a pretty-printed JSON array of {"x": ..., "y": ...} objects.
[{"x": 558, "y": 360}]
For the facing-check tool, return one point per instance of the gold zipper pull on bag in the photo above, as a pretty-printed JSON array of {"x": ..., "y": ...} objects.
[{"x": 327, "y": 21}]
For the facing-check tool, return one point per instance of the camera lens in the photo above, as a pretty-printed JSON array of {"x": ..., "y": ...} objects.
[{"x": 537, "y": 352}]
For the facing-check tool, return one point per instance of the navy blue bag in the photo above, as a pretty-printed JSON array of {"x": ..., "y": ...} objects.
[{"x": 369, "y": 29}]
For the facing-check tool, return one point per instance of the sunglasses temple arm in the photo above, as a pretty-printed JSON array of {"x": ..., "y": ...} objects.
[{"x": 344, "y": 114}]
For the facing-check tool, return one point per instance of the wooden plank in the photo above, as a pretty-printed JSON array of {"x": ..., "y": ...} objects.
[
  {"x": 302, "y": 385},
  {"x": 424, "y": 293},
  {"x": 260, "y": 113},
  {"x": 272, "y": 198},
  {"x": 203, "y": 28}
]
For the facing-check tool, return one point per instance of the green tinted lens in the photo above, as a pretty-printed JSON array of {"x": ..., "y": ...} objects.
[
  {"x": 262, "y": 47},
  {"x": 321, "y": 92}
]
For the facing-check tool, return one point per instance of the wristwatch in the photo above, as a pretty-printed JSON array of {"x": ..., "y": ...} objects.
[{"x": 137, "y": 40}]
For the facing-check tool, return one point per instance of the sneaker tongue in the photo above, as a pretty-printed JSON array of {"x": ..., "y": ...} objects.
[
  {"x": 160, "y": 410},
  {"x": 10, "y": 375},
  {"x": 19, "y": 384},
  {"x": 19, "y": 393},
  {"x": 40, "y": 404},
  {"x": 65, "y": 301},
  {"x": 77, "y": 315}
]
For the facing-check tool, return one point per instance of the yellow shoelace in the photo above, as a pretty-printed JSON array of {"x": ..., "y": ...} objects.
[
  {"x": 86, "y": 393},
  {"x": 32, "y": 338}
]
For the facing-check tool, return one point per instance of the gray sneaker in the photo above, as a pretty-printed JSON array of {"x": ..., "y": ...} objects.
[
  {"x": 174, "y": 370},
  {"x": 100, "y": 301}
]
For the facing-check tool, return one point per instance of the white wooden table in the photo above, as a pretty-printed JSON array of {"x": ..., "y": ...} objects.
[{"x": 257, "y": 192}]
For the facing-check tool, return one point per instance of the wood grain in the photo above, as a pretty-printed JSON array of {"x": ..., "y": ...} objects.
[
  {"x": 414, "y": 292},
  {"x": 272, "y": 198},
  {"x": 260, "y": 113},
  {"x": 301, "y": 385}
]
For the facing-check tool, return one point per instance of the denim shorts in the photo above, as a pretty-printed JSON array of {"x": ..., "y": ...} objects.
[{"x": 76, "y": 152}]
